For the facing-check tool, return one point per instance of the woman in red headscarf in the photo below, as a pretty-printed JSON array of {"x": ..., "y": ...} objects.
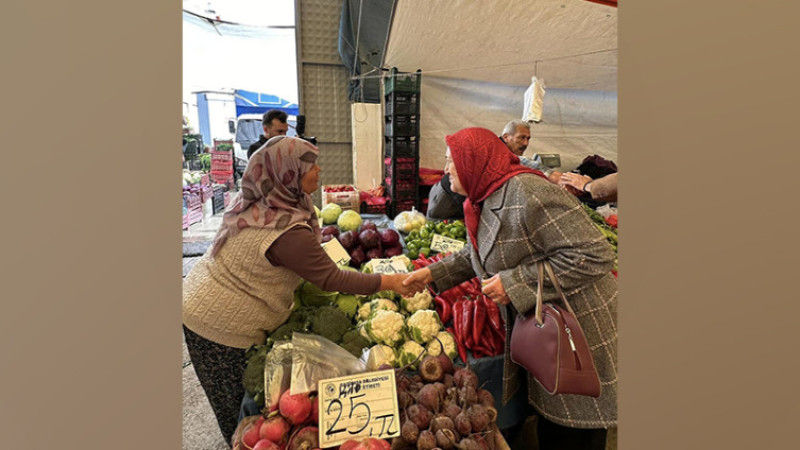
[{"x": 515, "y": 218}]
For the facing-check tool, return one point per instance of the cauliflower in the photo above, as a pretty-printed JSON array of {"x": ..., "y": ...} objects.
[
  {"x": 386, "y": 327},
  {"x": 449, "y": 342},
  {"x": 376, "y": 305},
  {"x": 381, "y": 354},
  {"x": 423, "y": 325},
  {"x": 409, "y": 352},
  {"x": 420, "y": 300}
]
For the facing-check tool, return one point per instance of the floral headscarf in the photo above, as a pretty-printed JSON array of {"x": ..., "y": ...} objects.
[
  {"x": 483, "y": 163},
  {"x": 272, "y": 195}
]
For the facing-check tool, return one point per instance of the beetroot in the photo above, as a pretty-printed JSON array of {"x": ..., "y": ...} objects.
[
  {"x": 469, "y": 444},
  {"x": 451, "y": 410},
  {"x": 348, "y": 239},
  {"x": 478, "y": 417},
  {"x": 305, "y": 438},
  {"x": 410, "y": 432},
  {"x": 331, "y": 230},
  {"x": 462, "y": 423},
  {"x": 426, "y": 441},
  {"x": 295, "y": 408},
  {"x": 448, "y": 381},
  {"x": 276, "y": 428},
  {"x": 485, "y": 398},
  {"x": 442, "y": 390},
  {"x": 368, "y": 238},
  {"x": 446, "y": 439},
  {"x": 389, "y": 238},
  {"x": 428, "y": 397},
  {"x": 357, "y": 257},
  {"x": 419, "y": 415},
  {"x": 465, "y": 376},
  {"x": 442, "y": 422},
  {"x": 389, "y": 252},
  {"x": 404, "y": 399},
  {"x": 374, "y": 253},
  {"x": 431, "y": 369},
  {"x": 467, "y": 396}
]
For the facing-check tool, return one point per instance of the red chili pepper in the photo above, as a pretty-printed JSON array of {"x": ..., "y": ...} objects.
[
  {"x": 469, "y": 316},
  {"x": 479, "y": 319},
  {"x": 612, "y": 220},
  {"x": 443, "y": 308},
  {"x": 458, "y": 317},
  {"x": 493, "y": 313}
]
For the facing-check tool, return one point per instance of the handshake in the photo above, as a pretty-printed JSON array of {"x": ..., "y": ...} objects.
[{"x": 406, "y": 284}]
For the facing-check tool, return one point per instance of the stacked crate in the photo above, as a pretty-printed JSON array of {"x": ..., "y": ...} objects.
[
  {"x": 222, "y": 162},
  {"x": 401, "y": 140},
  {"x": 218, "y": 204}
]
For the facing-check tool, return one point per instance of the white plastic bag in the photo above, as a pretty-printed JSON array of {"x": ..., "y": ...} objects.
[
  {"x": 315, "y": 358},
  {"x": 606, "y": 210},
  {"x": 534, "y": 101},
  {"x": 408, "y": 221}
]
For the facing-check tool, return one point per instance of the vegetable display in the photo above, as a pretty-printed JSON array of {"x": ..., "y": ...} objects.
[
  {"x": 418, "y": 242},
  {"x": 607, "y": 226}
]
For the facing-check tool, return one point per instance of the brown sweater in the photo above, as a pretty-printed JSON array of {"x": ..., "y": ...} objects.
[
  {"x": 299, "y": 251},
  {"x": 605, "y": 189}
]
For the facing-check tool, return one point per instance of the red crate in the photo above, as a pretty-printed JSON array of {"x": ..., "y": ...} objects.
[
  {"x": 221, "y": 156},
  {"x": 186, "y": 221},
  {"x": 221, "y": 166}
]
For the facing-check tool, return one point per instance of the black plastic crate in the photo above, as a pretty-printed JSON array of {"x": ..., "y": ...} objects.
[
  {"x": 405, "y": 169},
  {"x": 405, "y": 83},
  {"x": 402, "y": 126},
  {"x": 366, "y": 208},
  {"x": 401, "y": 147},
  {"x": 407, "y": 105},
  {"x": 398, "y": 207}
]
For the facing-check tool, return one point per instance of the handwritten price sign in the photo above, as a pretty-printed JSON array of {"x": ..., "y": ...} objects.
[
  {"x": 358, "y": 407},
  {"x": 388, "y": 266},
  {"x": 444, "y": 244},
  {"x": 336, "y": 252}
]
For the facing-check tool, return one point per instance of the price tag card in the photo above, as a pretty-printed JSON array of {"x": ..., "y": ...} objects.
[
  {"x": 358, "y": 407},
  {"x": 335, "y": 250},
  {"x": 388, "y": 266},
  {"x": 443, "y": 244}
]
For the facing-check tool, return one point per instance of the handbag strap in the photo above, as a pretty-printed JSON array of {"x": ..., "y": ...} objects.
[
  {"x": 553, "y": 278},
  {"x": 539, "y": 293}
]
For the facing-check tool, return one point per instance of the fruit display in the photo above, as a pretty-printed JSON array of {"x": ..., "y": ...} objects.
[
  {"x": 607, "y": 226},
  {"x": 294, "y": 426},
  {"x": 418, "y": 242},
  {"x": 365, "y": 242},
  {"x": 443, "y": 407}
]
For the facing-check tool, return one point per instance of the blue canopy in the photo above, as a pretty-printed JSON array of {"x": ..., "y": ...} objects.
[{"x": 248, "y": 102}]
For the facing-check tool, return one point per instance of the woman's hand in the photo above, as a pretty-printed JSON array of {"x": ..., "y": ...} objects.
[
  {"x": 493, "y": 288},
  {"x": 418, "y": 279},
  {"x": 574, "y": 180},
  {"x": 394, "y": 282}
]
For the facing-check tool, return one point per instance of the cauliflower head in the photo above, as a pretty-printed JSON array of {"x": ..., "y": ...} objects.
[
  {"x": 381, "y": 354},
  {"x": 423, "y": 325},
  {"x": 420, "y": 300},
  {"x": 386, "y": 327},
  {"x": 449, "y": 343},
  {"x": 378, "y": 304},
  {"x": 409, "y": 352}
]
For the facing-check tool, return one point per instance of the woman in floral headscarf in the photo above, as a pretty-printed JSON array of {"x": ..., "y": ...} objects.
[
  {"x": 243, "y": 287},
  {"x": 515, "y": 218}
]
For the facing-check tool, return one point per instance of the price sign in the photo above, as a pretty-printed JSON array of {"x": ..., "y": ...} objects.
[
  {"x": 388, "y": 266},
  {"x": 444, "y": 244},
  {"x": 337, "y": 253},
  {"x": 358, "y": 407}
]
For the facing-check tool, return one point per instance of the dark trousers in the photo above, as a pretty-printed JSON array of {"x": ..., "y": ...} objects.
[
  {"x": 556, "y": 437},
  {"x": 219, "y": 369}
]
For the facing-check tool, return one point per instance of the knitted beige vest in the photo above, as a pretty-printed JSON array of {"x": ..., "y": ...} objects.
[{"x": 238, "y": 297}]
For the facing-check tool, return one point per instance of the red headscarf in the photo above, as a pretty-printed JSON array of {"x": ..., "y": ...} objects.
[{"x": 483, "y": 164}]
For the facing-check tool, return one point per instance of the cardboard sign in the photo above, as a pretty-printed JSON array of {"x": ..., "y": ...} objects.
[
  {"x": 358, "y": 407},
  {"x": 336, "y": 252},
  {"x": 444, "y": 244},
  {"x": 388, "y": 266}
]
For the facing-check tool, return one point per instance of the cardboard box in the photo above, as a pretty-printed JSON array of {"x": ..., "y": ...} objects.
[{"x": 333, "y": 193}]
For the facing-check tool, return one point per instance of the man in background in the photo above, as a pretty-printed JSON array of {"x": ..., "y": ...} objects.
[{"x": 274, "y": 123}]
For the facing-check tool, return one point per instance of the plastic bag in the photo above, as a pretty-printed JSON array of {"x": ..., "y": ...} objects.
[
  {"x": 534, "y": 101},
  {"x": 408, "y": 221},
  {"x": 315, "y": 358},
  {"x": 606, "y": 210},
  {"x": 277, "y": 373}
]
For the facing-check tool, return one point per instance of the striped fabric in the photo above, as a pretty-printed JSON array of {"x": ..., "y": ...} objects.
[{"x": 527, "y": 220}]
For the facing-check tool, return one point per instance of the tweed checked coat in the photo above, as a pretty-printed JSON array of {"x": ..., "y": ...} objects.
[{"x": 526, "y": 220}]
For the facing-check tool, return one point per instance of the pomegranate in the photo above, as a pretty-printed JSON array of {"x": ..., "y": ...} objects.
[
  {"x": 295, "y": 408},
  {"x": 265, "y": 444},
  {"x": 276, "y": 428}
]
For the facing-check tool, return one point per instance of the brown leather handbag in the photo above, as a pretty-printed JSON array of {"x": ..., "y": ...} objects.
[{"x": 550, "y": 344}]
